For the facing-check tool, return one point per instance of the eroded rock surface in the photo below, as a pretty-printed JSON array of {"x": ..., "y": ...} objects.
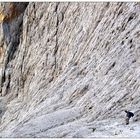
[{"x": 67, "y": 67}]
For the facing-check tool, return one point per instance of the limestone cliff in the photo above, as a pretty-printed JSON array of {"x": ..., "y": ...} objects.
[{"x": 69, "y": 69}]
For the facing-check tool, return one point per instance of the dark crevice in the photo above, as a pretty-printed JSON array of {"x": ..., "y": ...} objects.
[
  {"x": 123, "y": 27},
  {"x": 131, "y": 17},
  {"x": 12, "y": 30},
  {"x": 56, "y": 43},
  {"x": 130, "y": 41},
  {"x": 122, "y": 43},
  {"x": 107, "y": 4},
  {"x": 120, "y": 12},
  {"x": 120, "y": 9},
  {"x": 112, "y": 66},
  {"x": 3, "y": 78},
  {"x": 90, "y": 108},
  {"x": 8, "y": 84},
  {"x": 57, "y": 24},
  {"x": 134, "y": 61}
]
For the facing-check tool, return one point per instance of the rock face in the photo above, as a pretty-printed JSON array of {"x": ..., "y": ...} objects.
[{"x": 69, "y": 69}]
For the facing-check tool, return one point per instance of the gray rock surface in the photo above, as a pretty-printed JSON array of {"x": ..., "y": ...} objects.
[{"x": 70, "y": 70}]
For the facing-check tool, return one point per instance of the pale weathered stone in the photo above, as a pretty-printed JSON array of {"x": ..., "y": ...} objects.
[{"x": 70, "y": 70}]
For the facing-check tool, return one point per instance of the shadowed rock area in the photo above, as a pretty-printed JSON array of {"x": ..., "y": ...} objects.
[{"x": 69, "y": 69}]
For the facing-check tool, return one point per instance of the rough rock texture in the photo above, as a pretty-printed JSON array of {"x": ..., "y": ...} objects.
[{"x": 70, "y": 69}]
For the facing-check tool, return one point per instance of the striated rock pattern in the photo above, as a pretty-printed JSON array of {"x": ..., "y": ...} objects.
[{"x": 69, "y": 69}]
